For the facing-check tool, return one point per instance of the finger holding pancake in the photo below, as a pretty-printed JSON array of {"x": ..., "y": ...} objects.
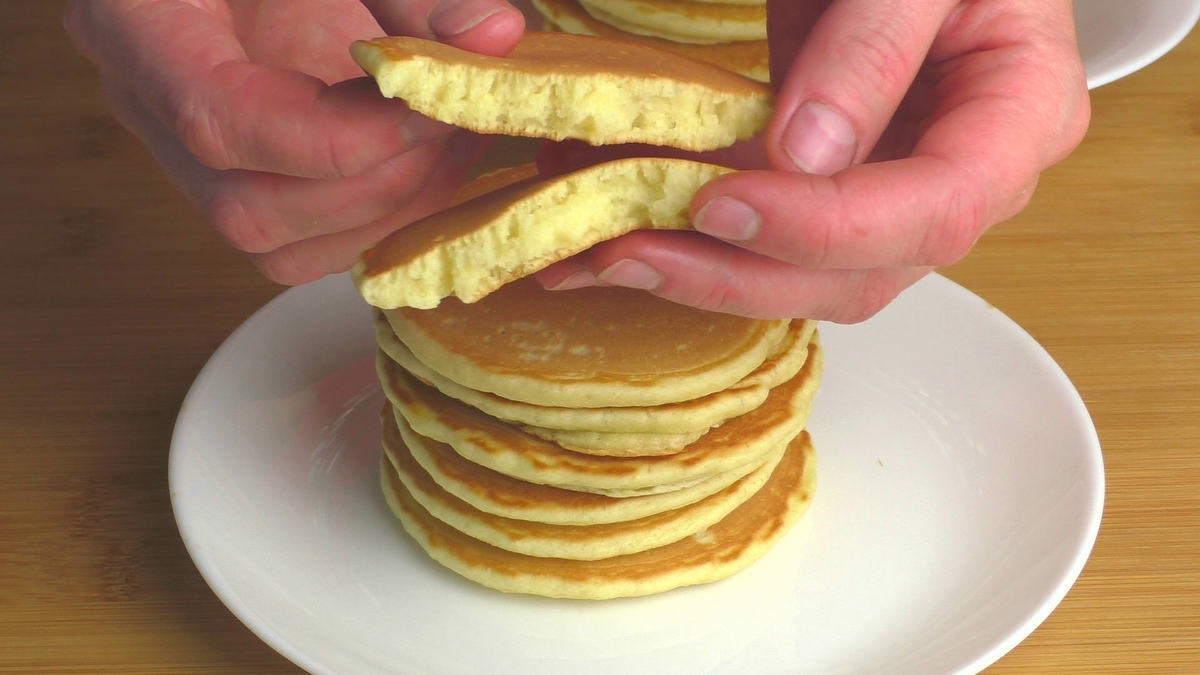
[{"x": 301, "y": 229}]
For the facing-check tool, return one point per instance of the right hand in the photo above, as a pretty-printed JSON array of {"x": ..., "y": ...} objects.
[{"x": 255, "y": 109}]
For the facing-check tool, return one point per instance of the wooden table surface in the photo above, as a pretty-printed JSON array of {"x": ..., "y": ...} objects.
[{"x": 113, "y": 293}]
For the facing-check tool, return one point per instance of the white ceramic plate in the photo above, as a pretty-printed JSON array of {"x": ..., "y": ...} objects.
[
  {"x": 960, "y": 491},
  {"x": 1119, "y": 37}
]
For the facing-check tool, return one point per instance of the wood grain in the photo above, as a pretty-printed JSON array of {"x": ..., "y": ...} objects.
[{"x": 113, "y": 293}]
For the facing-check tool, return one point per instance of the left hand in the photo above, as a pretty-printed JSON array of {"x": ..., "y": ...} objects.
[{"x": 903, "y": 129}]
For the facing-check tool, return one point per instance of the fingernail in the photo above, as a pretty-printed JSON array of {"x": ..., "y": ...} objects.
[
  {"x": 418, "y": 129},
  {"x": 580, "y": 279},
  {"x": 454, "y": 17},
  {"x": 728, "y": 218},
  {"x": 819, "y": 139},
  {"x": 631, "y": 274}
]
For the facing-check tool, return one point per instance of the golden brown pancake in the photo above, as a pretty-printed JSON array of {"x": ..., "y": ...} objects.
[
  {"x": 698, "y": 414},
  {"x": 573, "y": 542},
  {"x": 617, "y": 443},
  {"x": 493, "y": 492},
  {"x": 750, "y": 58},
  {"x": 509, "y": 450},
  {"x": 559, "y": 86},
  {"x": 718, "y": 552},
  {"x": 473, "y": 248},
  {"x": 587, "y": 348}
]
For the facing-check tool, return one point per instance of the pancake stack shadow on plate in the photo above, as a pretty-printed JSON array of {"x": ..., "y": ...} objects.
[
  {"x": 598, "y": 442},
  {"x": 732, "y": 35}
]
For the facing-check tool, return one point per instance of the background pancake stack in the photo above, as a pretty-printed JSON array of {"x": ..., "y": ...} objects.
[
  {"x": 732, "y": 35},
  {"x": 596, "y": 443}
]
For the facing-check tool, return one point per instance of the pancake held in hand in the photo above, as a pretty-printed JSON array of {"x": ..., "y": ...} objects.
[
  {"x": 478, "y": 246},
  {"x": 683, "y": 417},
  {"x": 559, "y": 86},
  {"x": 720, "y": 551},
  {"x": 683, "y": 20},
  {"x": 573, "y": 542},
  {"x": 509, "y": 450},
  {"x": 493, "y": 492},
  {"x": 750, "y": 58},
  {"x": 589, "y": 348}
]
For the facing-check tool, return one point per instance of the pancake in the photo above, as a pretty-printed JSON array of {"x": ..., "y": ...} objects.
[
  {"x": 494, "y": 180},
  {"x": 718, "y": 552},
  {"x": 572, "y": 542},
  {"x": 559, "y": 86},
  {"x": 749, "y": 58},
  {"x": 782, "y": 366},
  {"x": 683, "y": 20},
  {"x": 493, "y": 492},
  {"x": 506, "y": 449},
  {"x": 698, "y": 414},
  {"x": 617, "y": 443},
  {"x": 588, "y": 348},
  {"x": 472, "y": 249}
]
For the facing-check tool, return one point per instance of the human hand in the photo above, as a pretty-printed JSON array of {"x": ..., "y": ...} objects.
[
  {"x": 255, "y": 109},
  {"x": 903, "y": 129}
]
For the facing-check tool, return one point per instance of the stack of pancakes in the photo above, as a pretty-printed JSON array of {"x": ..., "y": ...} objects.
[
  {"x": 731, "y": 34},
  {"x": 596, "y": 443},
  {"x": 592, "y": 443}
]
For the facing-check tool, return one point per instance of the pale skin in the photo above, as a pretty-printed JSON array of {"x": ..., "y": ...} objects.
[{"x": 903, "y": 130}]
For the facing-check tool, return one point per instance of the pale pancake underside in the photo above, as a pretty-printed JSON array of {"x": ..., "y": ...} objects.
[
  {"x": 718, "y": 552},
  {"x": 497, "y": 445},
  {"x": 559, "y": 86},
  {"x": 676, "y": 418},
  {"x": 682, "y": 20},
  {"x": 749, "y": 58},
  {"x": 574, "y": 542},
  {"x": 476, "y": 247}
]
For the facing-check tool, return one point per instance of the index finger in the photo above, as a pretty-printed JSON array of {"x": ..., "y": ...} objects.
[
  {"x": 974, "y": 167},
  {"x": 187, "y": 65}
]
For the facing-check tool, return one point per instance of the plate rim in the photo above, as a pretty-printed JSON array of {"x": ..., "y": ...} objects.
[
  {"x": 1189, "y": 20},
  {"x": 294, "y": 653},
  {"x": 200, "y": 559},
  {"x": 1096, "y": 476}
]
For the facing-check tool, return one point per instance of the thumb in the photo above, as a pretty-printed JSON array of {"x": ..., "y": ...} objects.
[
  {"x": 842, "y": 84},
  {"x": 490, "y": 27}
]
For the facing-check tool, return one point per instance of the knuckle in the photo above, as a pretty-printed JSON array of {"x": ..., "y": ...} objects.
[
  {"x": 868, "y": 298},
  {"x": 713, "y": 296},
  {"x": 285, "y": 267},
  {"x": 1081, "y": 120},
  {"x": 76, "y": 23},
  {"x": 955, "y": 230},
  {"x": 73, "y": 19},
  {"x": 203, "y": 138},
  {"x": 240, "y": 226},
  {"x": 815, "y": 240},
  {"x": 879, "y": 51}
]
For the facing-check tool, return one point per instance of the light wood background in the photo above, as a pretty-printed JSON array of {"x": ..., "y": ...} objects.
[{"x": 113, "y": 293}]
